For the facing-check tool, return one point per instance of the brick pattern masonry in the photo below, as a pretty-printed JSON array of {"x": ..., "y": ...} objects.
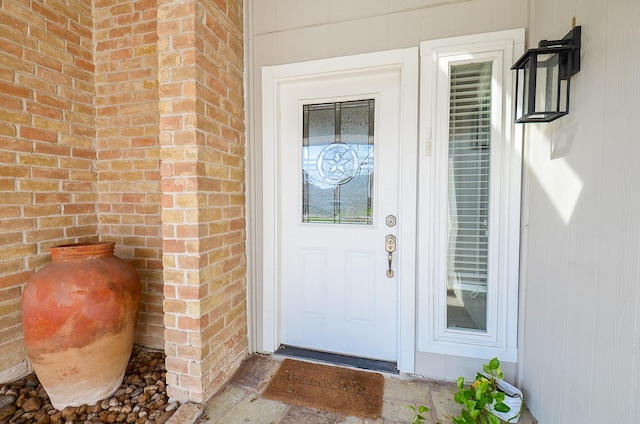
[{"x": 124, "y": 121}]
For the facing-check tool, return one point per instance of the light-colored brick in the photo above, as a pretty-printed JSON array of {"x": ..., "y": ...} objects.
[{"x": 85, "y": 158}]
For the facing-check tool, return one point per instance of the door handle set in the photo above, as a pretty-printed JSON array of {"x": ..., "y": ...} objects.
[{"x": 390, "y": 247}]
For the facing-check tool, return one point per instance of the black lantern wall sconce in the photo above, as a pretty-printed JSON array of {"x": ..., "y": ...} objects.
[{"x": 542, "y": 78}]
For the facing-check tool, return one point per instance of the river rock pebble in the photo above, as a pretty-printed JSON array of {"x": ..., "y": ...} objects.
[{"x": 141, "y": 398}]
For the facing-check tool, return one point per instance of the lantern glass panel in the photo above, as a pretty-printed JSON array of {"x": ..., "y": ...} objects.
[
  {"x": 548, "y": 76},
  {"x": 525, "y": 90}
]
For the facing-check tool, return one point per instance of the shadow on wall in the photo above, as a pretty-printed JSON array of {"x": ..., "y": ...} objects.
[{"x": 564, "y": 197}]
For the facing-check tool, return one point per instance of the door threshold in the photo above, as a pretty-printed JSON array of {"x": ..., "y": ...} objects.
[{"x": 338, "y": 359}]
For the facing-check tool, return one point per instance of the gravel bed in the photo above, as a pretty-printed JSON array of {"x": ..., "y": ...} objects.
[{"x": 141, "y": 399}]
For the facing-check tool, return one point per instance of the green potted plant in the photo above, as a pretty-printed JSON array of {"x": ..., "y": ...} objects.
[
  {"x": 489, "y": 398},
  {"x": 418, "y": 418}
]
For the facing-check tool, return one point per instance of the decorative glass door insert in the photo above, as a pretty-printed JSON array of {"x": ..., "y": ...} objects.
[{"x": 338, "y": 162}]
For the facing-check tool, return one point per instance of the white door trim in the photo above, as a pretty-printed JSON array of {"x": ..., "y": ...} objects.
[{"x": 272, "y": 79}]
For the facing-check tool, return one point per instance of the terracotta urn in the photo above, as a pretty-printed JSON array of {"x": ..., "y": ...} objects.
[{"x": 79, "y": 316}]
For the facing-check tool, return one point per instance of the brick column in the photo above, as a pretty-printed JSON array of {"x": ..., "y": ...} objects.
[{"x": 202, "y": 150}]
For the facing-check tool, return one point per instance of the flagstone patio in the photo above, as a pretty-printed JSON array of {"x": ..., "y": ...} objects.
[{"x": 240, "y": 401}]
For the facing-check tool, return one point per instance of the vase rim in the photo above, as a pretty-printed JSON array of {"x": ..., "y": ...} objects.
[
  {"x": 84, "y": 243},
  {"x": 82, "y": 250}
]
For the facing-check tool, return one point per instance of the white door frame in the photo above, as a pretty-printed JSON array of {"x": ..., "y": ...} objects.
[{"x": 273, "y": 77}]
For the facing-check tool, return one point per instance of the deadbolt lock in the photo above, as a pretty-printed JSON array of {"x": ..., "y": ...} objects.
[{"x": 390, "y": 220}]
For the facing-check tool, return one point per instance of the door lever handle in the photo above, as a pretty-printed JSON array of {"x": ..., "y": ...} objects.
[
  {"x": 390, "y": 270},
  {"x": 390, "y": 247}
]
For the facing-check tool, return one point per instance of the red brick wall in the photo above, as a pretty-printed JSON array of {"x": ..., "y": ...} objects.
[
  {"x": 202, "y": 125},
  {"x": 128, "y": 152},
  {"x": 47, "y": 130}
]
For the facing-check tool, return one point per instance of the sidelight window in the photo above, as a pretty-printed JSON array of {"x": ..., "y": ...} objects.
[{"x": 469, "y": 198}]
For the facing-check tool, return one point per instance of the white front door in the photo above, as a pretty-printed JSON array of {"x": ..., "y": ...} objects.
[
  {"x": 340, "y": 140},
  {"x": 338, "y": 148}
]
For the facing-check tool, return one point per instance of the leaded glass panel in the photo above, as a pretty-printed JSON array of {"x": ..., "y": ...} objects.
[{"x": 337, "y": 162}]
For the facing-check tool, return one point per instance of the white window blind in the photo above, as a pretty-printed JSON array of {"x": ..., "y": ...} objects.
[{"x": 468, "y": 194}]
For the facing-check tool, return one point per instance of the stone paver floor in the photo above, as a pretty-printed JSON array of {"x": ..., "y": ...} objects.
[{"x": 240, "y": 401}]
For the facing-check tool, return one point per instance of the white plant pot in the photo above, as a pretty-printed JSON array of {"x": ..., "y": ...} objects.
[{"x": 513, "y": 399}]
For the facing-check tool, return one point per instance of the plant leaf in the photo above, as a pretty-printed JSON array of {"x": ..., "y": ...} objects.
[
  {"x": 494, "y": 364},
  {"x": 460, "y": 382},
  {"x": 469, "y": 404},
  {"x": 501, "y": 407},
  {"x": 422, "y": 409},
  {"x": 493, "y": 419},
  {"x": 467, "y": 416},
  {"x": 482, "y": 389}
]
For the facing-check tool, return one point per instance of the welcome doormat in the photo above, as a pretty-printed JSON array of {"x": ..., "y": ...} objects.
[{"x": 328, "y": 388}]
